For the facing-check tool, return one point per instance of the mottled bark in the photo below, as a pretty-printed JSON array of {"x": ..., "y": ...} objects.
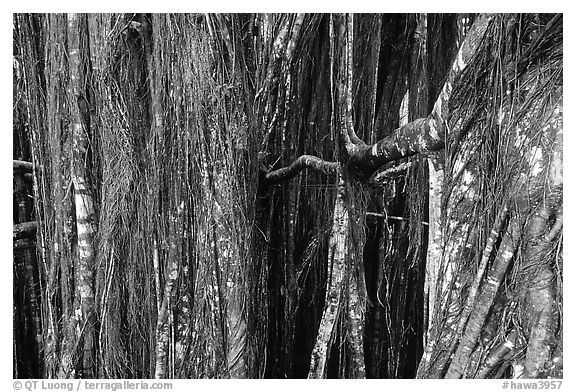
[
  {"x": 356, "y": 324},
  {"x": 419, "y": 136},
  {"x": 341, "y": 32},
  {"x": 542, "y": 311},
  {"x": 301, "y": 163},
  {"x": 283, "y": 47},
  {"x": 338, "y": 250},
  {"x": 434, "y": 249},
  {"x": 162, "y": 323},
  {"x": 474, "y": 287},
  {"x": 544, "y": 318},
  {"x": 83, "y": 201},
  {"x": 237, "y": 336},
  {"x": 379, "y": 177},
  {"x": 487, "y": 294}
]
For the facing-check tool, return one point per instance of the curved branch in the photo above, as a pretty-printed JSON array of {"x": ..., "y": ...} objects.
[
  {"x": 301, "y": 163},
  {"x": 382, "y": 175},
  {"x": 341, "y": 31},
  {"x": 415, "y": 137},
  {"x": 23, "y": 166},
  {"x": 423, "y": 134}
]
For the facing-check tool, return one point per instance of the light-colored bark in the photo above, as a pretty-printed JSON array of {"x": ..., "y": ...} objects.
[
  {"x": 487, "y": 294},
  {"x": 541, "y": 291},
  {"x": 166, "y": 292},
  {"x": 544, "y": 318},
  {"x": 338, "y": 249},
  {"x": 162, "y": 323},
  {"x": 486, "y": 253},
  {"x": 355, "y": 325},
  {"x": 237, "y": 336},
  {"x": 341, "y": 31},
  {"x": 434, "y": 251},
  {"x": 282, "y": 48},
  {"x": 83, "y": 202},
  {"x": 474, "y": 287},
  {"x": 301, "y": 163},
  {"x": 538, "y": 281},
  {"x": 446, "y": 238}
]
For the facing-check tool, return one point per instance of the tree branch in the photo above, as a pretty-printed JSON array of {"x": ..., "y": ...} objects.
[
  {"x": 341, "y": 30},
  {"x": 23, "y": 165},
  {"x": 301, "y": 163},
  {"x": 423, "y": 134},
  {"x": 393, "y": 172}
]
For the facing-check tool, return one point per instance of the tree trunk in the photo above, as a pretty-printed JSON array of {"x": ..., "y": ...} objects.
[
  {"x": 487, "y": 294},
  {"x": 83, "y": 201},
  {"x": 338, "y": 250}
]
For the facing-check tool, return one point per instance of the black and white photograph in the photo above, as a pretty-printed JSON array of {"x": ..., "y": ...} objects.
[{"x": 287, "y": 196}]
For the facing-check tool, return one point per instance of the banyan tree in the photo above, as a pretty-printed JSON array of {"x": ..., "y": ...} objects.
[{"x": 288, "y": 195}]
